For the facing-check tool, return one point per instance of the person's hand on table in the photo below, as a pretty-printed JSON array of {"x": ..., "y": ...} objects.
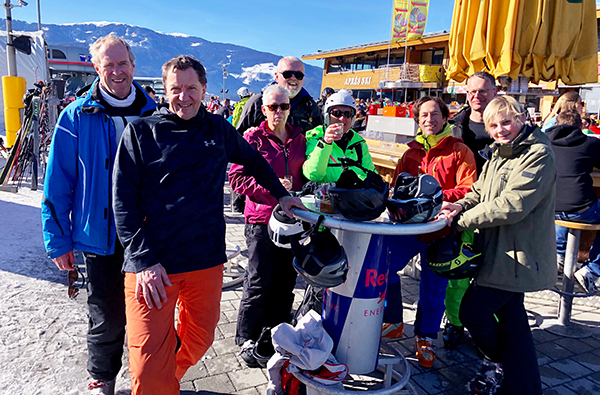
[
  {"x": 287, "y": 202},
  {"x": 450, "y": 210}
]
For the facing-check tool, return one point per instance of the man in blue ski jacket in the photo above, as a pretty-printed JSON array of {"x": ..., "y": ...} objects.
[{"x": 77, "y": 207}]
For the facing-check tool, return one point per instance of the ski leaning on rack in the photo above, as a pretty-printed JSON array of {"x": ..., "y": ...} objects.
[
  {"x": 14, "y": 154},
  {"x": 28, "y": 146}
]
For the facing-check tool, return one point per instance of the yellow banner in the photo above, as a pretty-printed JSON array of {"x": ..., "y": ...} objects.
[{"x": 409, "y": 17}]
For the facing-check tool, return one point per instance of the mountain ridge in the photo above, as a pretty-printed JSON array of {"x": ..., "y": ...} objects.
[{"x": 248, "y": 67}]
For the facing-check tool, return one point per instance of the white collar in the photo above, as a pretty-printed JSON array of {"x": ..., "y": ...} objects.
[{"x": 114, "y": 102}]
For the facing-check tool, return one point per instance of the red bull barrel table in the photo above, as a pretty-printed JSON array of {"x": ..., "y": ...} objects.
[{"x": 353, "y": 311}]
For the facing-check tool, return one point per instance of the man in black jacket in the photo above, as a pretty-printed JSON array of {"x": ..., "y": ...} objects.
[
  {"x": 468, "y": 123},
  {"x": 304, "y": 112},
  {"x": 168, "y": 203},
  {"x": 576, "y": 156}
]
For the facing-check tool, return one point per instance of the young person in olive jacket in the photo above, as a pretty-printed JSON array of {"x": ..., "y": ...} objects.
[{"x": 512, "y": 206}]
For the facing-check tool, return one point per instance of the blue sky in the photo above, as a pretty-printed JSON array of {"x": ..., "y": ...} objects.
[{"x": 281, "y": 27}]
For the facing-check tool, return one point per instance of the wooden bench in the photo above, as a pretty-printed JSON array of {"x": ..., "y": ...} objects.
[
  {"x": 562, "y": 325},
  {"x": 385, "y": 156}
]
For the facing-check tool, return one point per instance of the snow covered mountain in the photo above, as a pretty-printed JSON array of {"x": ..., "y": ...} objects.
[{"x": 151, "y": 48}]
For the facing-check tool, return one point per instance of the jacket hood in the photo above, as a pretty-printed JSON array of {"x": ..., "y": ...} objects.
[
  {"x": 528, "y": 136},
  {"x": 566, "y": 135}
]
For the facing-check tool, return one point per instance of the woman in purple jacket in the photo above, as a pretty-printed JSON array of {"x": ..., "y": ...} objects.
[{"x": 270, "y": 277}]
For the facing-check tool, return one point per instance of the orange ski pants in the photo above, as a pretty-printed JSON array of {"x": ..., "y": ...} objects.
[{"x": 155, "y": 365}]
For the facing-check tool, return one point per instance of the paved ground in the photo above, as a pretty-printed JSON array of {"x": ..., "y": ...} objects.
[{"x": 42, "y": 342}]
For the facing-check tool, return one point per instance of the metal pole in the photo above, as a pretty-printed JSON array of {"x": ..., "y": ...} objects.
[
  {"x": 39, "y": 16},
  {"x": 11, "y": 56}
]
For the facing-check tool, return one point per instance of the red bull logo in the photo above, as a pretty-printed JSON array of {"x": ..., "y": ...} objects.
[{"x": 373, "y": 278}]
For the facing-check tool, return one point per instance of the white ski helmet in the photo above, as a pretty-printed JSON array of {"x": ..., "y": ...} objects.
[
  {"x": 243, "y": 92},
  {"x": 340, "y": 98},
  {"x": 281, "y": 228}
]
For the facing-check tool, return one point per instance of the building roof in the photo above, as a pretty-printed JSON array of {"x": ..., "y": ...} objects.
[{"x": 427, "y": 39}]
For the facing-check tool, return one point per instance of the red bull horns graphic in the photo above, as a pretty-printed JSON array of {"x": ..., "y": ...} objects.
[{"x": 353, "y": 311}]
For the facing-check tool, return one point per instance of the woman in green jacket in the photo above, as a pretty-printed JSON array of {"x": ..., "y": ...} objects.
[
  {"x": 512, "y": 206},
  {"x": 335, "y": 139}
]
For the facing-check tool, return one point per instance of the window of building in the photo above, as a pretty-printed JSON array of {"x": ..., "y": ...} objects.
[
  {"x": 438, "y": 56},
  {"x": 432, "y": 56},
  {"x": 58, "y": 54}
]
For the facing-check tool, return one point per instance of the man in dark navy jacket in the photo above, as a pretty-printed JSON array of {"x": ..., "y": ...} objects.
[{"x": 168, "y": 203}]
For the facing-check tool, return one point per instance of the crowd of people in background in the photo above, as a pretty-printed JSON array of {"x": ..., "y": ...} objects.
[{"x": 118, "y": 189}]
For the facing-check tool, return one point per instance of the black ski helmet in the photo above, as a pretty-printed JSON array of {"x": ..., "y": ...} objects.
[
  {"x": 454, "y": 256},
  {"x": 415, "y": 199},
  {"x": 356, "y": 199},
  {"x": 322, "y": 262}
]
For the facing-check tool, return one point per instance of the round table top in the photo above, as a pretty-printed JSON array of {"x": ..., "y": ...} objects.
[{"x": 380, "y": 226}]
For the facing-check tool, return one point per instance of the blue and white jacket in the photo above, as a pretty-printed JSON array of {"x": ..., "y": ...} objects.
[{"x": 77, "y": 203}]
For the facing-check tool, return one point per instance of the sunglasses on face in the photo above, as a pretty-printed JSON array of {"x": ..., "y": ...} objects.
[
  {"x": 74, "y": 287},
  {"x": 339, "y": 113},
  {"x": 274, "y": 107},
  {"x": 288, "y": 74}
]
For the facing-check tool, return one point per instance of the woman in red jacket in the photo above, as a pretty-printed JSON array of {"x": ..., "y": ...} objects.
[{"x": 270, "y": 277}]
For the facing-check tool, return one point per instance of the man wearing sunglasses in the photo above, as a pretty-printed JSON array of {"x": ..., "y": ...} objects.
[
  {"x": 76, "y": 207},
  {"x": 304, "y": 112}
]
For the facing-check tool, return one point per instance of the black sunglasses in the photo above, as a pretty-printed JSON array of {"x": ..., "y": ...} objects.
[
  {"x": 288, "y": 74},
  {"x": 72, "y": 277},
  {"x": 274, "y": 107},
  {"x": 338, "y": 113}
]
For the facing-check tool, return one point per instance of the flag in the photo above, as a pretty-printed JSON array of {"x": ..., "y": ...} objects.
[{"x": 409, "y": 17}]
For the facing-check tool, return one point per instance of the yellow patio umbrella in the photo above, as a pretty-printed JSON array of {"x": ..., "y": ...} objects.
[
  {"x": 529, "y": 19},
  {"x": 500, "y": 36},
  {"x": 541, "y": 39},
  {"x": 461, "y": 38},
  {"x": 566, "y": 42},
  {"x": 477, "y": 51}
]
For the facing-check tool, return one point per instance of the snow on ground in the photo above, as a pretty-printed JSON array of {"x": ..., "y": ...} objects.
[{"x": 42, "y": 332}]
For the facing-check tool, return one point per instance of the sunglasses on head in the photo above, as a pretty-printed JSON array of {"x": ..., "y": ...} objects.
[
  {"x": 74, "y": 287},
  {"x": 274, "y": 107},
  {"x": 338, "y": 113},
  {"x": 288, "y": 74}
]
